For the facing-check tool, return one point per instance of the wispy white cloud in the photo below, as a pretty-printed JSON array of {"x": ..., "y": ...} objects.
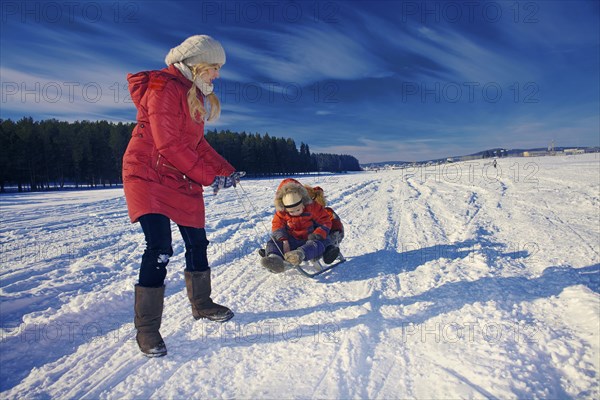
[
  {"x": 307, "y": 54},
  {"x": 470, "y": 60},
  {"x": 71, "y": 97},
  {"x": 459, "y": 57},
  {"x": 70, "y": 76}
]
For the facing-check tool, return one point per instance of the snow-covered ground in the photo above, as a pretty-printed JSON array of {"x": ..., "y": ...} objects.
[{"x": 462, "y": 281}]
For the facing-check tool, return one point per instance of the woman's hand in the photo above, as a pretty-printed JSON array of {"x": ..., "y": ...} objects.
[{"x": 224, "y": 182}]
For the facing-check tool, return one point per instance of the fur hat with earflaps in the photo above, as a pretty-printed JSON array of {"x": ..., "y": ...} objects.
[{"x": 290, "y": 194}]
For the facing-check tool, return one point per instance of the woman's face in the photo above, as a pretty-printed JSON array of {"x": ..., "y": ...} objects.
[{"x": 210, "y": 75}]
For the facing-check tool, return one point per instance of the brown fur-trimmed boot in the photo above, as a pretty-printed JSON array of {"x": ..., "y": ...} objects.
[
  {"x": 273, "y": 263},
  {"x": 198, "y": 286},
  {"x": 148, "y": 316}
]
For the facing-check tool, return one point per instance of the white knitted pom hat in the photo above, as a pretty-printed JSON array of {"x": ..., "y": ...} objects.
[{"x": 197, "y": 49}]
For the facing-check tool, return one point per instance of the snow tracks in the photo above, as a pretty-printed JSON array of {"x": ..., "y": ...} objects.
[{"x": 462, "y": 280}]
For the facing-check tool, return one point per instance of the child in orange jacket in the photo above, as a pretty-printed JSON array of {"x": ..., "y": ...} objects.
[{"x": 300, "y": 227}]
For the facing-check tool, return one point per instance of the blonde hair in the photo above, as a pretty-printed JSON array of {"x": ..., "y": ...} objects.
[
  {"x": 195, "y": 104},
  {"x": 316, "y": 194}
]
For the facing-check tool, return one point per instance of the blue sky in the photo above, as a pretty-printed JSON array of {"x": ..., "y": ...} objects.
[{"x": 380, "y": 80}]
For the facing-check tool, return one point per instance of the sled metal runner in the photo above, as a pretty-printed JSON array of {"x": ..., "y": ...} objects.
[{"x": 318, "y": 267}]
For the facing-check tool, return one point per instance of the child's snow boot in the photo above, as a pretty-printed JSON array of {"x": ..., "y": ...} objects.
[
  {"x": 148, "y": 308},
  {"x": 198, "y": 286},
  {"x": 273, "y": 263},
  {"x": 294, "y": 257},
  {"x": 330, "y": 254}
]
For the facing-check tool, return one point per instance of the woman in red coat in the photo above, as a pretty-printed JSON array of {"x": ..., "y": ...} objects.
[{"x": 166, "y": 163}]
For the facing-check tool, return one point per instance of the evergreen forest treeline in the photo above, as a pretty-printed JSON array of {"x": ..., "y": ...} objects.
[{"x": 52, "y": 154}]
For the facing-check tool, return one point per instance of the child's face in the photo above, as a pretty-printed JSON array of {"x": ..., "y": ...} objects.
[{"x": 295, "y": 211}]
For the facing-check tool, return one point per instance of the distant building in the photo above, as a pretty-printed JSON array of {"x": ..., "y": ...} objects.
[
  {"x": 533, "y": 153},
  {"x": 469, "y": 158},
  {"x": 573, "y": 151}
]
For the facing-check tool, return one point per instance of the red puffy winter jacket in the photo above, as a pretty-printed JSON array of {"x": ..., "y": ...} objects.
[
  {"x": 314, "y": 218},
  {"x": 168, "y": 160}
]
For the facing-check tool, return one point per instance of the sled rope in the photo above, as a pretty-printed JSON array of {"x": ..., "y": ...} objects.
[{"x": 243, "y": 198}]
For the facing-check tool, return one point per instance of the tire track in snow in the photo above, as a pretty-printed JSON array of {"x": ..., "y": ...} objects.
[
  {"x": 71, "y": 326},
  {"x": 87, "y": 294},
  {"x": 393, "y": 233},
  {"x": 423, "y": 218},
  {"x": 387, "y": 226},
  {"x": 508, "y": 199},
  {"x": 116, "y": 367},
  {"x": 348, "y": 366},
  {"x": 427, "y": 211},
  {"x": 351, "y": 206},
  {"x": 101, "y": 354},
  {"x": 363, "y": 219},
  {"x": 558, "y": 221},
  {"x": 337, "y": 195}
]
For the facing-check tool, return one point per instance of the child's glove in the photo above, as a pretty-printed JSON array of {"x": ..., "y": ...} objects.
[{"x": 221, "y": 182}]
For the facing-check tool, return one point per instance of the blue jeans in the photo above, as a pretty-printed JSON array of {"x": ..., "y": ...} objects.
[{"x": 157, "y": 231}]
